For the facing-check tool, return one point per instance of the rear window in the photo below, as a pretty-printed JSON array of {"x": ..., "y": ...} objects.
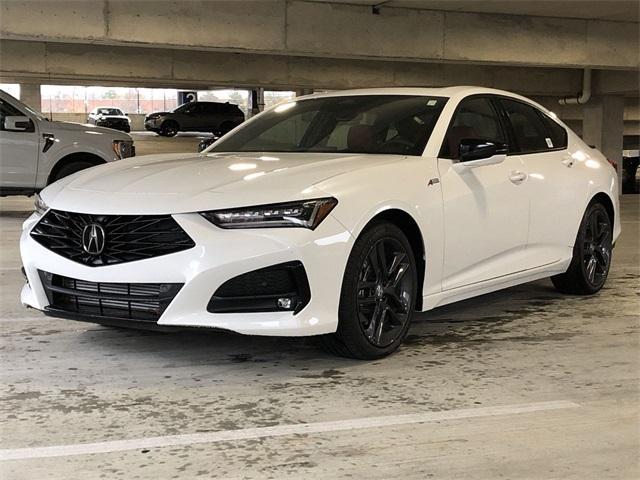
[
  {"x": 557, "y": 133},
  {"x": 529, "y": 129}
]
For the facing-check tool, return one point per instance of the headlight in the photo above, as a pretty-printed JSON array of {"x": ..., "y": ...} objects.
[
  {"x": 123, "y": 149},
  {"x": 39, "y": 207},
  {"x": 304, "y": 213}
]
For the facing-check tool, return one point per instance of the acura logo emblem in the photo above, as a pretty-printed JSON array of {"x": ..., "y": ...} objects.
[{"x": 93, "y": 239}]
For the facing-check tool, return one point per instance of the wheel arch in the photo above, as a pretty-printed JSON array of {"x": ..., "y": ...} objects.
[
  {"x": 405, "y": 222},
  {"x": 73, "y": 157},
  {"x": 605, "y": 200},
  {"x": 170, "y": 120}
]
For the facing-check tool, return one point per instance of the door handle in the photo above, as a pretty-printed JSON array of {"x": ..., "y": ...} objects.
[{"x": 517, "y": 177}]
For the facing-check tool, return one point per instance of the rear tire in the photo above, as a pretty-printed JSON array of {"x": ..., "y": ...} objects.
[
  {"x": 223, "y": 129},
  {"x": 378, "y": 295},
  {"x": 592, "y": 251},
  {"x": 71, "y": 168}
]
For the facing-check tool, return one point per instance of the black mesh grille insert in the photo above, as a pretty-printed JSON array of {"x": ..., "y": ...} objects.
[
  {"x": 126, "y": 237},
  {"x": 261, "y": 290},
  {"x": 261, "y": 282},
  {"x": 132, "y": 301}
]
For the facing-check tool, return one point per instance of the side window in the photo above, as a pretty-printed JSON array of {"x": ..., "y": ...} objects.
[
  {"x": 189, "y": 109},
  {"x": 474, "y": 118},
  {"x": 529, "y": 129},
  {"x": 227, "y": 109},
  {"x": 199, "y": 108},
  {"x": 8, "y": 110},
  {"x": 557, "y": 133},
  {"x": 214, "y": 108}
]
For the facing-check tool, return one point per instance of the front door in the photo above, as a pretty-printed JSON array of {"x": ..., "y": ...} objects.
[
  {"x": 18, "y": 152},
  {"x": 486, "y": 208}
]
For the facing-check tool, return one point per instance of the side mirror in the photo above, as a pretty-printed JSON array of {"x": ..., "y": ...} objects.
[
  {"x": 476, "y": 152},
  {"x": 17, "y": 123}
]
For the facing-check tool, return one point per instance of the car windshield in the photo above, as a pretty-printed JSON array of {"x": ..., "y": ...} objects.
[
  {"x": 26, "y": 107},
  {"x": 109, "y": 111},
  {"x": 375, "y": 124}
]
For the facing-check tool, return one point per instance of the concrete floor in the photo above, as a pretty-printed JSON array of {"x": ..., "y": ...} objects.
[
  {"x": 148, "y": 143},
  {"x": 524, "y": 383}
]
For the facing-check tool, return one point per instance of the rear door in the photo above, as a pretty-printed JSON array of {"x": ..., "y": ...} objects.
[
  {"x": 554, "y": 185},
  {"x": 188, "y": 118},
  {"x": 486, "y": 209},
  {"x": 214, "y": 116}
]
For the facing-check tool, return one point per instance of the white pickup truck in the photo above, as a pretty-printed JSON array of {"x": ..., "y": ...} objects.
[{"x": 35, "y": 152}]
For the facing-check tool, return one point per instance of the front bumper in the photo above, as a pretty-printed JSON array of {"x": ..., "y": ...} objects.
[
  {"x": 152, "y": 125},
  {"x": 121, "y": 125},
  {"x": 218, "y": 256}
]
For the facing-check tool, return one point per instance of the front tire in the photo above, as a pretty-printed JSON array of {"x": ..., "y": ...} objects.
[
  {"x": 71, "y": 168},
  {"x": 169, "y": 128},
  {"x": 378, "y": 295},
  {"x": 592, "y": 251}
]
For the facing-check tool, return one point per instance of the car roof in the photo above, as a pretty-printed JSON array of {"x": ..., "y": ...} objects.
[
  {"x": 454, "y": 92},
  {"x": 214, "y": 103},
  {"x": 449, "y": 92}
]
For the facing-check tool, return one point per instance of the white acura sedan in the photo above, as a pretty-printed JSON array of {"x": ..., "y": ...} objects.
[{"x": 336, "y": 215}]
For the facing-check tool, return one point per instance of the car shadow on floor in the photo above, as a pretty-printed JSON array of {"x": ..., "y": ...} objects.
[{"x": 470, "y": 320}]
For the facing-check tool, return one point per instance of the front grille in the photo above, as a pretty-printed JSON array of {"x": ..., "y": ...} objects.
[
  {"x": 126, "y": 238},
  {"x": 129, "y": 301},
  {"x": 113, "y": 123}
]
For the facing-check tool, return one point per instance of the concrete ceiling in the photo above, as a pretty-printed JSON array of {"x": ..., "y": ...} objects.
[{"x": 616, "y": 10}]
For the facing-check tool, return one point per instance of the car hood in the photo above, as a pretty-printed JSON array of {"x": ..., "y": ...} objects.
[
  {"x": 179, "y": 183},
  {"x": 82, "y": 128}
]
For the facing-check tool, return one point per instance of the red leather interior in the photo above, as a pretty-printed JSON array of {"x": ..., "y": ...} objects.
[{"x": 360, "y": 138}]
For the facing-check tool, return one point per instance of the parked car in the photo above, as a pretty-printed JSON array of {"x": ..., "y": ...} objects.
[
  {"x": 110, "y": 117},
  {"x": 217, "y": 118},
  {"x": 630, "y": 162},
  {"x": 35, "y": 152},
  {"x": 337, "y": 215}
]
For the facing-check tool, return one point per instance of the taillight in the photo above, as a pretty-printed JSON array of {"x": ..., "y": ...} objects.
[{"x": 613, "y": 163}]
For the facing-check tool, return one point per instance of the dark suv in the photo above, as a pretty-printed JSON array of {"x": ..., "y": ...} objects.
[{"x": 217, "y": 118}]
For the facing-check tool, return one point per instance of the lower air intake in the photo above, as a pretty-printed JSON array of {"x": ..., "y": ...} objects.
[
  {"x": 143, "y": 302},
  {"x": 276, "y": 288}
]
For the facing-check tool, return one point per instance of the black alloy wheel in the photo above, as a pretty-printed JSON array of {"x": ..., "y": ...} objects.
[
  {"x": 378, "y": 295},
  {"x": 596, "y": 247},
  {"x": 385, "y": 292},
  {"x": 591, "y": 254},
  {"x": 169, "y": 129}
]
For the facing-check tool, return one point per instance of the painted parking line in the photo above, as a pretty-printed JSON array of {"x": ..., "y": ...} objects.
[{"x": 276, "y": 431}]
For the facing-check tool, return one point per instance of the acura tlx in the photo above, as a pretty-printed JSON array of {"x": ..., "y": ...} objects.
[{"x": 335, "y": 215}]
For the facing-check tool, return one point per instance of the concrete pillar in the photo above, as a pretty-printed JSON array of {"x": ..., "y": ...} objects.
[
  {"x": 603, "y": 127},
  {"x": 256, "y": 101},
  {"x": 303, "y": 91},
  {"x": 30, "y": 94}
]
